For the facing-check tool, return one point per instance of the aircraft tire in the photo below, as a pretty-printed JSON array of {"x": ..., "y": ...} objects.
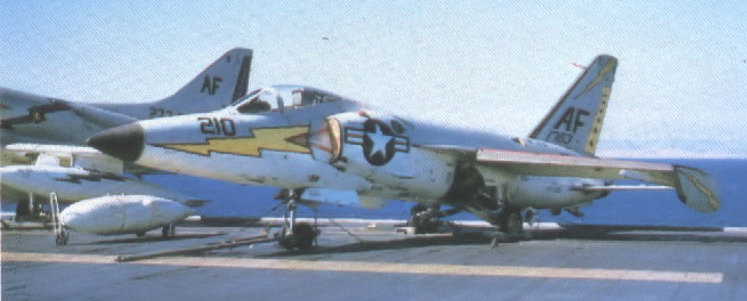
[
  {"x": 422, "y": 222},
  {"x": 512, "y": 224},
  {"x": 22, "y": 210},
  {"x": 303, "y": 236}
]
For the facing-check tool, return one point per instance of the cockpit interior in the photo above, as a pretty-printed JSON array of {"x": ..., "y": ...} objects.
[{"x": 282, "y": 97}]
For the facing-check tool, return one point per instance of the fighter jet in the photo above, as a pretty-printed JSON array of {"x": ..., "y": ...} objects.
[
  {"x": 321, "y": 147},
  {"x": 29, "y": 118},
  {"x": 39, "y": 120}
]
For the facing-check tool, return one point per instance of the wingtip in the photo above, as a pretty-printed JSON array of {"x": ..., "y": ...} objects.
[{"x": 697, "y": 189}]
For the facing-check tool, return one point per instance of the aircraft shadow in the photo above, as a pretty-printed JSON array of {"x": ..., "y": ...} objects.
[
  {"x": 651, "y": 234},
  {"x": 590, "y": 233},
  {"x": 396, "y": 244},
  {"x": 147, "y": 238}
]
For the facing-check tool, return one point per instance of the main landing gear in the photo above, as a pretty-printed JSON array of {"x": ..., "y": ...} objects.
[
  {"x": 426, "y": 218},
  {"x": 295, "y": 235},
  {"x": 511, "y": 222},
  {"x": 29, "y": 210},
  {"x": 168, "y": 231}
]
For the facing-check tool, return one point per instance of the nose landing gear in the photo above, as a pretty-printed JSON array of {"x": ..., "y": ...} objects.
[{"x": 295, "y": 235}]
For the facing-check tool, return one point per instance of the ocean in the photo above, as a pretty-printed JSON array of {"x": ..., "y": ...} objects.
[{"x": 660, "y": 208}]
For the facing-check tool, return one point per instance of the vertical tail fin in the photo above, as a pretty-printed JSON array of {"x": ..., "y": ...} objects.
[
  {"x": 224, "y": 81},
  {"x": 575, "y": 122}
]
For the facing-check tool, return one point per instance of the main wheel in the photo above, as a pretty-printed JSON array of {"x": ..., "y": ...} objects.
[
  {"x": 512, "y": 223},
  {"x": 168, "y": 231},
  {"x": 422, "y": 220},
  {"x": 22, "y": 210}
]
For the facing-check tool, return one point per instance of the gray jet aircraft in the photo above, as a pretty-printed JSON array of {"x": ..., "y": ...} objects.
[
  {"x": 321, "y": 147},
  {"x": 29, "y": 118}
]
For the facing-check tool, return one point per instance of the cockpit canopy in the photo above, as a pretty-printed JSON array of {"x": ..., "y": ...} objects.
[{"x": 281, "y": 97}]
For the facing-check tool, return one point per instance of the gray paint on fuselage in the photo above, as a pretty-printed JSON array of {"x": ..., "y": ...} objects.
[
  {"x": 64, "y": 126},
  {"x": 419, "y": 133}
]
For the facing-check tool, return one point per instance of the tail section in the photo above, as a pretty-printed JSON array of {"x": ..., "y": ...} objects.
[
  {"x": 575, "y": 122},
  {"x": 224, "y": 81}
]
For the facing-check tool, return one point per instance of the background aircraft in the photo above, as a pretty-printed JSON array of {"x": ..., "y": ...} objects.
[
  {"x": 325, "y": 148},
  {"x": 73, "y": 174},
  {"x": 29, "y": 118},
  {"x": 82, "y": 173}
]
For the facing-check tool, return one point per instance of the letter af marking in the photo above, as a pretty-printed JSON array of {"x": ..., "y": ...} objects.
[
  {"x": 210, "y": 84},
  {"x": 569, "y": 121},
  {"x": 285, "y": 139}
]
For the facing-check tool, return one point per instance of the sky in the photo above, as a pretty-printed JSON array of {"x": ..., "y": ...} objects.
[{"x": 680, "y": 89}]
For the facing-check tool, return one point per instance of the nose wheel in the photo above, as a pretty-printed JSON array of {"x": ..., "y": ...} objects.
[
  {"x": 295, "y": 235},
  {"x": 302, "y": 237}
]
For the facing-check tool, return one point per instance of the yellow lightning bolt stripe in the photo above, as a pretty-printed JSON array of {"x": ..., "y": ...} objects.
[
  {"x": 606, "y": 69},
  {"x": 277, "y": 139},
  {"x": 707, "y": 192}
]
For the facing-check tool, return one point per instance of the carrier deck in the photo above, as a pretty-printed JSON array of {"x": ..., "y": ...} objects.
[{"x": 370, "y": 260}]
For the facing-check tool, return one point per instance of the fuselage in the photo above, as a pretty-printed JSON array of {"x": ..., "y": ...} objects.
[
  {"x": 31, "y": 118},
  {"x": 340, "y": 145}
]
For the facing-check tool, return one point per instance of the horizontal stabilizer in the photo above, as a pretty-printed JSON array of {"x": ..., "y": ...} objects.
[{"x": 696, "y": 189}]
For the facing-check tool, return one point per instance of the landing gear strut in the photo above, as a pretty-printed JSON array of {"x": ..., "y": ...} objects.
[
  {"x": 168, "y": 231},
  {"x": 28, "y": 210},
  {"x": 511, "y": 222},
  {"x": 426, "y": 218},
  {"x": 61, "y": 235},
  {"x": 296, "y": 235}
]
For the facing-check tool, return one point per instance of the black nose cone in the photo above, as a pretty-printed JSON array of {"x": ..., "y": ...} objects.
[{"x": 124, "y": 142}]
